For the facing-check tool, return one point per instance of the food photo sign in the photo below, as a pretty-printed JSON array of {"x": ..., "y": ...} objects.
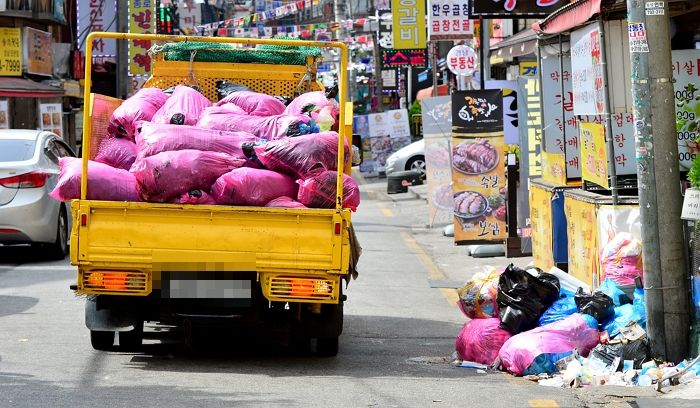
[{"x": 478, "y": 167}]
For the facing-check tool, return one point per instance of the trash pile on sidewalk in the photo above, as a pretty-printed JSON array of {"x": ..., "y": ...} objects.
[
  {"x": 551, "y": 328},
  {"x": 252, "y": 149}
]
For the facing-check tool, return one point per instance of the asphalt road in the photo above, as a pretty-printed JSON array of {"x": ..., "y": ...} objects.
[{"x": 394, "y": 352}]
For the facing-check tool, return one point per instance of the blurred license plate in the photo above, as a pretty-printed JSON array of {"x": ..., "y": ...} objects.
[{"x": 207, "y": 289}]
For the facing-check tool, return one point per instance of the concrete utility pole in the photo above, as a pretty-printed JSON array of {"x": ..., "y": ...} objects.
[
  {"x": 123, "y": 84},
  {"x": 665, "y": 272}
]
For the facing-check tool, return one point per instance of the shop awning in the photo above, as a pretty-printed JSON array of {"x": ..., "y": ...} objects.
[
  {"x": 568, "y": 17},
  {"x": 20, "y": 87},
  {"x": 522, "y": 43},
  {"x": 428, "y": 92}
]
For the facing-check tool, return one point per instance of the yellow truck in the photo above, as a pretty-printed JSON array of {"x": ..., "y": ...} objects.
[{"x": 176, "y": 264}]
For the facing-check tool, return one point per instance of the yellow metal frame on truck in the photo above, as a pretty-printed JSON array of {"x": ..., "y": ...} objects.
[{"x": 299, "y": 255}]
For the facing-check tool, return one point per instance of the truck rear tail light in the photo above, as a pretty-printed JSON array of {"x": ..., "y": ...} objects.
[
  {"x": 34, "y": 179},
  {"x": 113, "y": 281},
  {"x": 300, "y": 289}
]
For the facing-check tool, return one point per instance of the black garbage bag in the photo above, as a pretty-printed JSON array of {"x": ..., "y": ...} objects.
[
  {"x": 636, "y": 351},
  {"x": 225, "y": 88},
  {"x": 597, "y": 304},
  {"x": 522, "y": 298}
]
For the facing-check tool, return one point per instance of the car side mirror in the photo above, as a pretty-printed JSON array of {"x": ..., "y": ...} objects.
[{"x": 356, "y": 150}]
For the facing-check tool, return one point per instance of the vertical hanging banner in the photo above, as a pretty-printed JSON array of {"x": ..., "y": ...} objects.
[
  {"x": 408, "y": 24},
  {"x": 594, "y": 153},
  {"x": 478, "y": 169},
  {"x": 437, "y": 131},
  {"x": 449, "y": 20},
  {"x": 142, "y": 20},
  {"x": 587, "y": 67},
  {"x": 385, "y": 36},
  {"x": 686, "y": 73}
]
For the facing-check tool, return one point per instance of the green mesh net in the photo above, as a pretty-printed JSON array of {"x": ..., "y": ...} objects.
[{"x": 218, "y": 52}]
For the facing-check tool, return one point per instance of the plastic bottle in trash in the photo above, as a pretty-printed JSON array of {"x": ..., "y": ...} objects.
[
  {"x": 687, "y": 377},
  {"x": 644, "y": 380}
]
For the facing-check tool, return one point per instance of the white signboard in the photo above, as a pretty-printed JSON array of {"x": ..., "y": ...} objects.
[
  {"x": 98, "y": 15},
  {"x": 51, "y": 118},
  {"x": 587, "y": 71},
  {"x": 389, "y": 78},
  {"x": 462, "y": 60},
  {"x": 449, "y": 19},
  {"x": 686, "y": 72},
  {"x": 4, "y": 115},
  {"x": 691, "y": 205}
]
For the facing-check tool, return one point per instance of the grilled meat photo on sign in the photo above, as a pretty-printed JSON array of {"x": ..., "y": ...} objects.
[
  {"x": 470, "y": 204},
  {"x": 475, "y": 157}
]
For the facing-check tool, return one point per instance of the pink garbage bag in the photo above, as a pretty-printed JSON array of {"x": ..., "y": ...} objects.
[
  {"x": 255, "y": 187},
  {"x": 154, "y": 138},
  {"x": 167, "y": 175},
  {"x": 195, "y": 197},
  {"x": 311, "y": 101},
  {"x": 480, "y": 340},
  {"x": 267, "y": 127},
  {"x": 319, "y": 191},
  {"x": 254, "y": 103},
  {"x": 141, "y": 106},
  {"x": 621, "y": 259},
  {"x": 563, "y": 336},
  {"x": 285, "y": 202},
  {"x": 302, "y": 156},
  {"x": 184, "y": 107},
  {"x": 118, "y": 152},
  {"x": 104, "y": 182}
]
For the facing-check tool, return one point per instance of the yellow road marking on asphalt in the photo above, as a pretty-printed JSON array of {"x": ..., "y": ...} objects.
[
  {"x": 434, "y": 272},
  {"x": 543, "y": 403},
  {"x": 385, "y": 210}
]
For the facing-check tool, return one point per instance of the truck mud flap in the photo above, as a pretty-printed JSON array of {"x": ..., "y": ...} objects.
[{"x": 107, "y": 319}]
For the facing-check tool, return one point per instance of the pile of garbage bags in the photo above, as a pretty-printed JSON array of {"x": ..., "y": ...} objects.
[
  {"x": 248, "y": 149},
  {"x": 533, "y": 324}
]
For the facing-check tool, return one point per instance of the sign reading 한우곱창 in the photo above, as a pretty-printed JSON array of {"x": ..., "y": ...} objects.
[
  {"x": 478, "y": 169},
  {"x": 142, "y": 21}
]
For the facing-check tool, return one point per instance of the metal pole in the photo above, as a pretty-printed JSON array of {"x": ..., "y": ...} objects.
[
  {"x": 484, "y": 37},
  {"x": 434, "y": 50},
  {"x": 543, "y": 135},
  {"x": 409, "y": 86},
  {"x": 608, "y": 114},
  {"x": 665, "y": 273},
  {"x": 563, "y": 110},
  {"x": 122, "y": 80}
]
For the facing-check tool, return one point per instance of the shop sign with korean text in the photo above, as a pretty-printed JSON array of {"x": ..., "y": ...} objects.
[
  {"x": 437, "y": 131},
  {"x": 553, "y": 165},
  {"x": 478, "y": 166},
  {"x": 142, "y": 20},
  {"x": 389, "y": 131},
  {"x": 37, "y": 53},
  {"x": 462, "y": 60},
  {"x": 528, "y": 68},
  {"x": 540, "y": 200},
  {"x": 516, "y": 8},
  {"x": 385, "y": 36},
  {"x": 100, "y": 16},
  {"x": 404, "y": 58},
  {"x": 594, "y": 153},
  {"x": 686, "y": 73},
  {"x": 449, "y": 20},
  {"x": 587, "y": 67},
  {"x": 582, "y": 240},
  {"x": 408, "y": 24},
  {"x": 51, "y": 117},
  {"x": 10, "y": 51}
]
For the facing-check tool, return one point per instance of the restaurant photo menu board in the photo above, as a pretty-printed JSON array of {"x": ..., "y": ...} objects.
[{"x": 478, "y": 169}]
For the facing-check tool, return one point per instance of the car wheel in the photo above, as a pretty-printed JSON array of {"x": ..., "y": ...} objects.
[
  {"x": 417, "y": 164},
  {"x": 59, "y": 248}
]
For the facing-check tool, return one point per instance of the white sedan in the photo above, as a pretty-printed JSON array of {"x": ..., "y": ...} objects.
[{"x": 411, "y": 157}]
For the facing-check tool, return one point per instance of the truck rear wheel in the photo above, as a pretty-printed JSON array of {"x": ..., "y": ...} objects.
[
  {"x": 327, "y": 346},
  {"x": 131, "y": 340},
  {"x": 102, "y": 340}
]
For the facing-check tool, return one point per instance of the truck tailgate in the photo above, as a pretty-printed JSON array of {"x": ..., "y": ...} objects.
[{"x": 143, "y": 235}]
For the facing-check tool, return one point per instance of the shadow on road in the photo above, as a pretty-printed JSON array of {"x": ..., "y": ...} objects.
[
  {"x": 10, "y": 305},
  {"x": 24, "y": 254},
  {"x": 370, "y": 346}
]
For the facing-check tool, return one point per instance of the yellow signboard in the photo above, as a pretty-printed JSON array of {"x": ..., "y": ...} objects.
[
  {"x": 554, "y": 168},
  {"x": 142, "y": 20},
  {"x": 541, "y": 219},
  {"x": 10, "y": 52},
  {"x": 582, "y": 235},
  {"x": 593, "y": 153},
  {"x": 479, "y": 189},
  {"x": 408, "y": 17},
  {"x": 528, "y": 69}
]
